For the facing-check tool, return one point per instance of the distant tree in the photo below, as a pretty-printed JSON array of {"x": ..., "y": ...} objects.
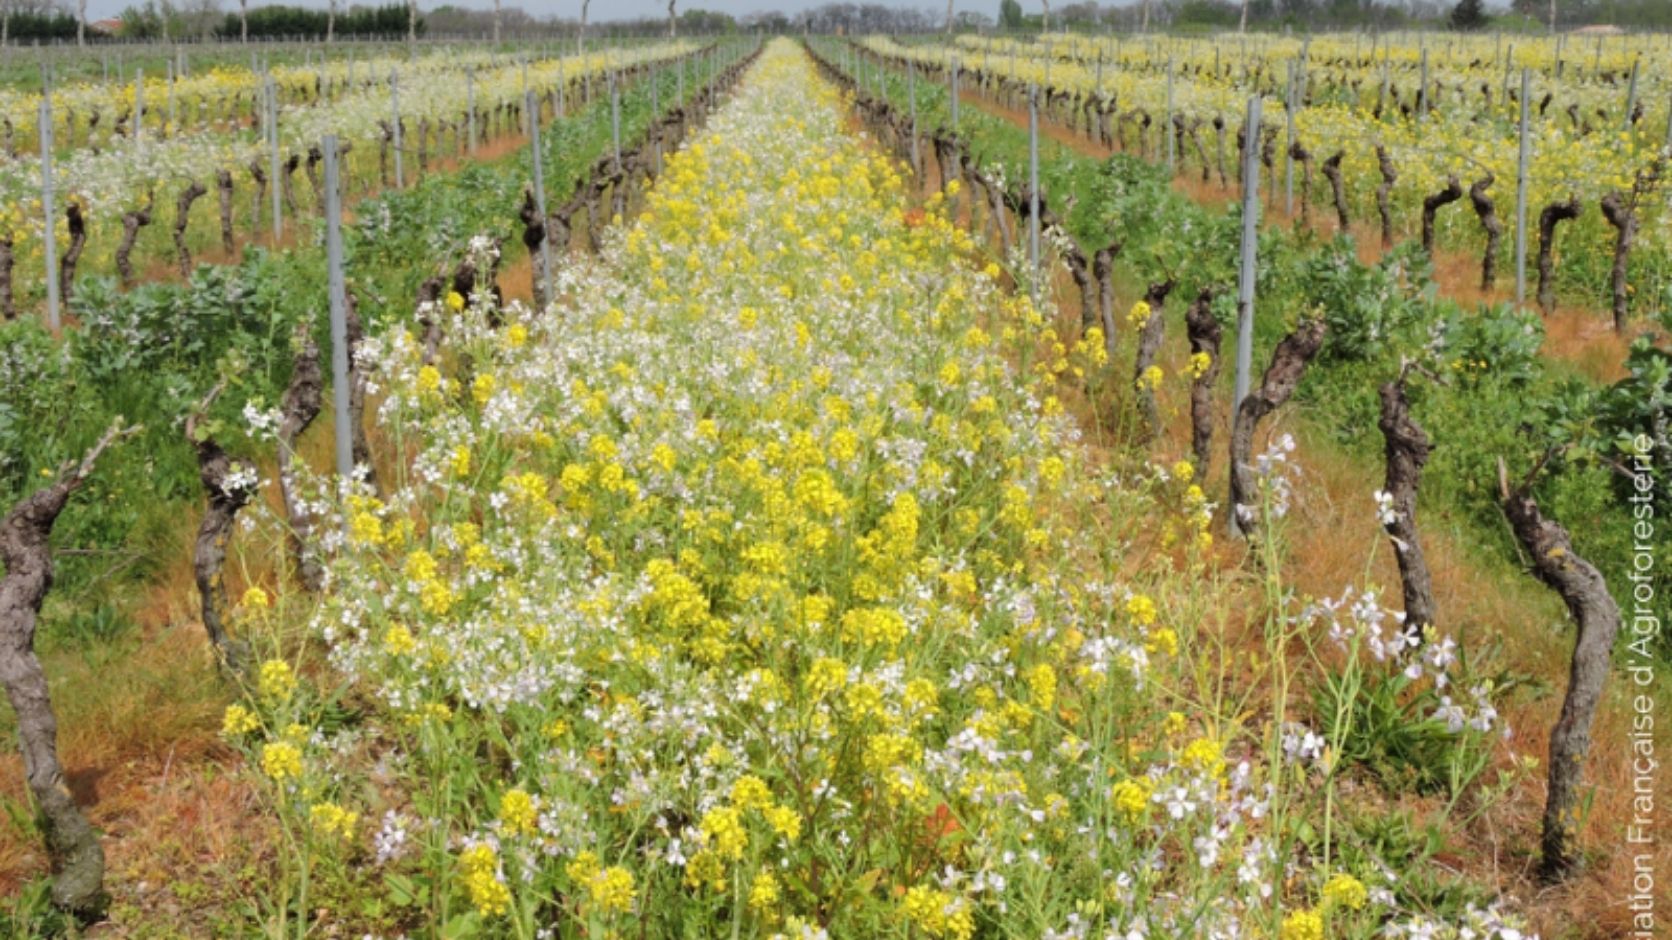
[
  {"x": 1083, "y": 14},
  {"x": 201, "y": 18},
  {"x": 1212, "y": 13},
  {"x": 1468, "y": 15},
  {"x": 706, "y": 23},
  {"x": 35, "y": 19},
  {"x": 1045, "y": 18},
  {"x": 388, "y": 21},
  {"x": 770, "y": 21},
  {"x": 1010, "y": 14}
]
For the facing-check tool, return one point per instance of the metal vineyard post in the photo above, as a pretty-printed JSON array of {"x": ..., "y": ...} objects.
[
  {"x": 954, "y": 94},
  {"x": 1422, "y": 91},
  {"x": 273, "y": 155},
  {"x": 51, "y": 233},
  {"x": 1521, "y": 197},
  {"x": 340, "y": 394},
  {"x": 615, "y": 118},
  {"x": 540, "y": 192},
  {"x": 1289, "y": 150},
  {"x": 395, "y": 114},
  {"x": 1167, "y": 125},
  {"x": 911, "y": 92},
  {"x": 1631, "y": 95},
  {"x": 1033, "y": 186},
  {"x": 139, "y": 107},
  {"x": 1246, "y": 272}
]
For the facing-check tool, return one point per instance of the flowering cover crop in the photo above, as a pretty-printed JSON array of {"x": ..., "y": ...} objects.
[
  {"x": 762, "y": 587},
  {"x": 1470, "y": 131},
  {"x": 225, "y": 91},
  {"x": 106, "y": 184}
]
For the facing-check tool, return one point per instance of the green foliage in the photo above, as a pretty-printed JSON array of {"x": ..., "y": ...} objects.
[
  {"x": 1206, "y": 14},
  {"x": 1131, "y": 201},
  {"x": 388, "y": 20},
  {"x": 1500, "y": 340},
  {"x": 1383, "y": 840},
  {"x": 1468, "y": 15},
  {"x": 29, "y": 913},
  {"x": 1393, "y": 735},
  {"x": 1010, "y": 14},
  {"x": 1367, "y": 309},
  {"x": 1635, "y": 408},
  {"x": 24, "y": 26}
]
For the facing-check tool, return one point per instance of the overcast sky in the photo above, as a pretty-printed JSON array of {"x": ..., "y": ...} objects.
[{"x": 617, "y": 9}]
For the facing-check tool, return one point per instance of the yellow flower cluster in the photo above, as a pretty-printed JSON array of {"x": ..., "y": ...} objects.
[
  {"x": 479, "y": 869},
  {"x": 516, "y": 812},
  {"x": 238, "y": 720},
  {"x": 281, "y": 760},
  {"x": 937, "y": 913},
  {"x": 277, "y": 681},
  {"x": 333, "y": 821}
]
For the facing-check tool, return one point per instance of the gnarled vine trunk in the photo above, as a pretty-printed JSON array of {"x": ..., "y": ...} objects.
[
  {"x": 259, "y": 197},
  {"x": 182, "y": 217},
  {"x": 1621, "y": 213},
  {"x": 1548, "y": 218},
  {"x": 534, "y": 234},
  {"x": 72, "y": 254},
  {"x": 1103, "y": 266},
  {"x": 1282, "y": 377},
  {"x": 287, "y": 176},
  {"x": 223, "y": 189},
  {"x": 1304, "y": 157},
  {"x": 26, "y": 550},
  {"x": 132, "y": 221},
  {"x": 227, "y": 489},
  {"x": 1338, "y": 193},
  {"x": 1384, "y": 204},
  {"x": 8, "y": 303},
  {"x": 1149, "y": 344},
  {"x": 298, "y": 408},
  {"x": 1205, "y": 336},
  {"x": 1494, "y": 229},
  {"x": 1583, "y": 589},
  {"x": 1431, "y": 205},
  {"x": 355, "y": 333},
  {"x": 1406, "y": 447}
]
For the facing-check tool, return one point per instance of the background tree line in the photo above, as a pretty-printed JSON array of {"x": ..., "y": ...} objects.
[
  {"x": 27, "y": 20},
  {"x": 157, "y": 19}
]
